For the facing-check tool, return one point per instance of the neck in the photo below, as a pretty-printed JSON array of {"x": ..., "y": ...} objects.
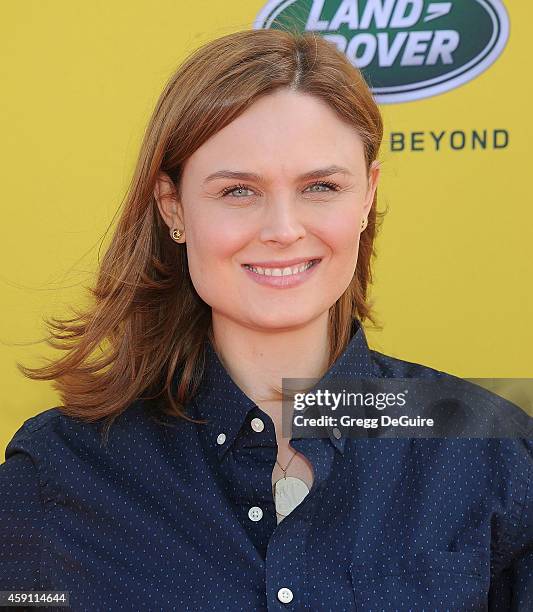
[{"x": 258, "y": 359}]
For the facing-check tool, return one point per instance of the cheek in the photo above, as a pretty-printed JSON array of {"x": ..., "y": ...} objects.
[
  {"x": 219, "y": 238},
  {"x": 211, "y": 244},
  {"x": 341, "y": 234}
]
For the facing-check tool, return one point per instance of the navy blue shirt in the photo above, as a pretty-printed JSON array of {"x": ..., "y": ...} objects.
[{"x": 183, "y": 518}]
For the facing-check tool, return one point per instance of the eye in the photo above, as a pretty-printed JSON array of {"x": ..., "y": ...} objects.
[
  {"x": 330, "y": 185},
  {"x": 229, "y": 190}
]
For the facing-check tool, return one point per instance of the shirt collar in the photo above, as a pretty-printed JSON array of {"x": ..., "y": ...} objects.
[{"x": 226, "y": 406}]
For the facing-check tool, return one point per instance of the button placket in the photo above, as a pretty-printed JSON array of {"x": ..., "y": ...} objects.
[{"x": 284, "y": 585}]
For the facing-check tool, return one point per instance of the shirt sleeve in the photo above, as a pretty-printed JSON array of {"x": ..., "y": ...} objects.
[
  {"x": 21, "y": 520},
  {"x": 513, "y": 588},
  {"x": 521, "y": 569}
]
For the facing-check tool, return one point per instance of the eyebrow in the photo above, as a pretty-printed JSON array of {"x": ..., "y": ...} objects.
[{"x": 252, "y": 176}]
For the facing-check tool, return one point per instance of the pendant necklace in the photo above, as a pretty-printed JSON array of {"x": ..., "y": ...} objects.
[{"x": 288, "y": 492}]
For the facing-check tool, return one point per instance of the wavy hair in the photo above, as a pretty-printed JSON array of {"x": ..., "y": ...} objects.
[{"x": 146, "y": 325}]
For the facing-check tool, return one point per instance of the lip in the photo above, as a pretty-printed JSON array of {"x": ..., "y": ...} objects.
[
  {"x": 283, "y": 282},
  {"x": 287, "y": 263}
]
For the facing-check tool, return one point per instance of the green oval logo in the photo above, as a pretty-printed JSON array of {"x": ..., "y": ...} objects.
[{"x": 406, "y": 49}]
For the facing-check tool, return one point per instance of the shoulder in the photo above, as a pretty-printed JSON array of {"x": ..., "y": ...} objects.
[
  {"x": 470, "y": 401},
  {"x": 51, "y": 434},
  {"x": 31, "y": 437},
  {"x": 505, "y": 432},
  {"x": 388, "y": 366},
  {"x": 39, "y": 433},
  {"x": 501, "y": 451},
  {"x": 501, "y": 427}
]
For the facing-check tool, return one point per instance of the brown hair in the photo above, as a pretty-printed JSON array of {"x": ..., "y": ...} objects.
[{"x": 147, "y": 319}]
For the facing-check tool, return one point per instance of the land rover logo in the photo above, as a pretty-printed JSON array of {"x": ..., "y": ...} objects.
[{"x": 407, "y": 49}]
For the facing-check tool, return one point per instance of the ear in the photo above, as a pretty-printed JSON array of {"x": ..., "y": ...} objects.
[
  {"x": 373, "y": 179},
  {"x": 168, "y": 204}
]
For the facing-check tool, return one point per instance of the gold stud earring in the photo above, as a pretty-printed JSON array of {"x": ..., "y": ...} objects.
[
  {"x": 176, "y": 234},
  {"x": 363, "y": 224}
]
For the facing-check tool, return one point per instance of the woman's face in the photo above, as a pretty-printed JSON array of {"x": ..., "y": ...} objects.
[{"x": 269, "y": 212}]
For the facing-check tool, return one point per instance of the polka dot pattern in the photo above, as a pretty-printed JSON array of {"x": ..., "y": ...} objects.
[{"x": 183, "y": 518}]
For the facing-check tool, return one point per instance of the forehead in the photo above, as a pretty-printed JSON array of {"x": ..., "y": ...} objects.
[{"x": 282, "y": 133}]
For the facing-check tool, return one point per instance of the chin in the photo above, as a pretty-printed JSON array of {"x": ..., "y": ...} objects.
[{"x": 280, "y": 323}]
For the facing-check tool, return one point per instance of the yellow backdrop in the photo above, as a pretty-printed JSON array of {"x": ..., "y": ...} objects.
[{"x": 453, "y": 276}]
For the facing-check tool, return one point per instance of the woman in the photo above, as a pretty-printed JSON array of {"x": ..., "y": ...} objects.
[{"x": 243, "y": 257}]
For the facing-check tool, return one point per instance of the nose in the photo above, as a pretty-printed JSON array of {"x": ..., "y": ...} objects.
[{"x": 281, "y": 223}]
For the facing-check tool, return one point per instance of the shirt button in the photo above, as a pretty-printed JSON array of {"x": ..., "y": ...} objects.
[
  {"x": 285, "y": 595},
  {"x": 257, "y": 424},
  {"x": 221, "y": 438},
  {"x": 336, "y": 432},
  {"x": 255, "y": 513}
]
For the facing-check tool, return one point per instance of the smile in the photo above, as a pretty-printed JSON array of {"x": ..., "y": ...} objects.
[
  {"x": 289, "y": 271},
  {"x": 282, "y": 278}
]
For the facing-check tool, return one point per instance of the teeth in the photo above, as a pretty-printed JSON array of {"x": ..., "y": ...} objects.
[{"x": 280, "y": 271}]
